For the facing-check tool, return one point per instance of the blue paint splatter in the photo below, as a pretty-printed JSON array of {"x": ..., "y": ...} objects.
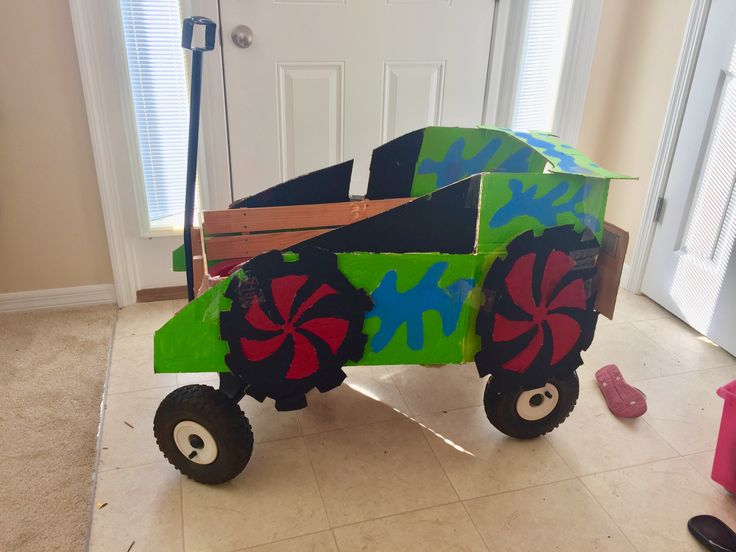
[
  {"x": 566, "y": 161},
  {"x": 394, "y": 308},
  {"x": 542, "y": 208},
  {"x": 516, "y": 162},
  {"x": 454, "y": 166}
]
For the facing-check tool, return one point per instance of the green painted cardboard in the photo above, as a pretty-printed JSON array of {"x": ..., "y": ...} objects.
[
  {"x": 178, "y": 260},
  {"x": 367, "y": 270},
  {"x": 496, "y": 227},
  {"x": 440, "y": 145},
  {"x": 190, "y": 341},
  {"x": 562, "y": 157}
]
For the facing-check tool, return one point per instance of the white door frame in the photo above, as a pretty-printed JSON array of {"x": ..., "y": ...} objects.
[
  {"x": 109, "y": 105},
  {"x": 101, "y": 54},
  {"x": 109, "y": 139},
  {"x": 694, "y": 32}
]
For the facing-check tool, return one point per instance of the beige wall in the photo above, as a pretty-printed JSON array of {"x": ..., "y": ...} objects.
[
  {"x": 633, "y": 70},
  {"x": 51, "y": 228}
]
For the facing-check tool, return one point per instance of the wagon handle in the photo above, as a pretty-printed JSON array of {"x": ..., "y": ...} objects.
[{"x": 194, "y": 101}]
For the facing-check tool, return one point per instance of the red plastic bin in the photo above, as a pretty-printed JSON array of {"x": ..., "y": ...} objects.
[{"x": 724, "y": 463}]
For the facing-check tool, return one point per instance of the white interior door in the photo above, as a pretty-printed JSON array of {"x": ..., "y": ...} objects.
[
  {"x": 329, "y": 80},
  {"x": 691, "y": 269}
]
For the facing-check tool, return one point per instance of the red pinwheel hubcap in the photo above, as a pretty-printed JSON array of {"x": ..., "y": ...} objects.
[
  {"x": 292, "y": 326},
  {"x": 553, "y": 310}
]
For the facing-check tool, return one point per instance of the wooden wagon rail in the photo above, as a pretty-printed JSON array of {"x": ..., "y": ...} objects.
[{"x": 240, "y": 234}]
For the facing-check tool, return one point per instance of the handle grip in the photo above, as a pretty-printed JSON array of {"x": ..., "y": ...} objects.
[{"x": 188, "y": 30}]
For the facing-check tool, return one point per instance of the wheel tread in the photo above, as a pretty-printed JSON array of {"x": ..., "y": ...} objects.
[
  {"x": 223, "y": 417},
  {"x": 500, "y": 408}
]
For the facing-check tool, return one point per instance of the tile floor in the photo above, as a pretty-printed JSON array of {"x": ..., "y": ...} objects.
[{"x": 402, "y": 458}]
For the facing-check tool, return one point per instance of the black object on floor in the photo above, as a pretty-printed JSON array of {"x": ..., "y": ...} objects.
[{"x": 712, "y": 533}]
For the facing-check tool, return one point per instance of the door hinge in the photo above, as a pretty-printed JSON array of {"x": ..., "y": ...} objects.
[{"x": 658, "y": 209}]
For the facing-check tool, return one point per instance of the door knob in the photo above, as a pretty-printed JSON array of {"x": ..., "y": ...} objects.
[{"x": 242, "y": 36}]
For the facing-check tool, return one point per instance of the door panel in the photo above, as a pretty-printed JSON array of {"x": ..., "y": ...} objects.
[
  {"x": 412, "y": 97},
  {"x": 326, "y": 81},
  {"x": 690, "y": 270},
  {"x": 310, "y": 116}
]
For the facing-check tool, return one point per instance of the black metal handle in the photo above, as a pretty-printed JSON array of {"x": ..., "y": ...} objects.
[
  {"x": 210, "y": 28},
  {"x": 194, "y": 101}
]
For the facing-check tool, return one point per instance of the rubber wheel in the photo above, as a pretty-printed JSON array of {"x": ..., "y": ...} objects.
[
  {"x": 526, "y": 414},
  {"x": 292, "y": 325},
  {"x": 203, "y": 434}
]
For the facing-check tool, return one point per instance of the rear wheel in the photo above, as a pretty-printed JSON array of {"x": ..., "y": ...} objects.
[
  {"x": 203, "y": 433},
  {"x": 528, "y": 413}
]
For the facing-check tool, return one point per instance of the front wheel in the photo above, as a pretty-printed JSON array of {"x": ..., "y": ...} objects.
[
  {"x": 526, "y": 414},
  {"x": 203, "y": 433}
]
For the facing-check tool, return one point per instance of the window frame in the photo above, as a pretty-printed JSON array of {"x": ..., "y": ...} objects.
[
  {"x": 506, "y": 58},
  {"x": 213, "y": 165},
  {"x": 145, "y": 228}
]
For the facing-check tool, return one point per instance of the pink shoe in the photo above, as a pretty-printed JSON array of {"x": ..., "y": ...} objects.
[{"x": 622, "y": 399}]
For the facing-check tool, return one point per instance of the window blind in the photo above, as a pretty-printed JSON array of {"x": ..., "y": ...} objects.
[
  {"x": 542, "y": 59},
  {"x": 158, "y": 82}
]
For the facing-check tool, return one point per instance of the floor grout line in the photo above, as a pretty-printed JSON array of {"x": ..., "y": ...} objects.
[
  {"x": 100, "y": 427},
  {"x": 401, "y": 393},
  {"x": 153, "y": 388},
  {"x": 314, "y": 474},
  {"x": 731, "y": 364},
  {"x": 141, "y": 465},
  {"x": 395, "y": 514},
  {"x": 439, "y": 462},
  {"x": 444, "y": 470},
  {"x": 181, "y": 514},
  {"x": 334, "y": 539},
  {"x": 629, "y": 466},
  {"x": 610, "y": 516},
  {"x": 278, "y": 541},
  {"x": 406, "y": 416},
  {"x": 475, "y": 525},
  {"x": 578, "y": 478}
]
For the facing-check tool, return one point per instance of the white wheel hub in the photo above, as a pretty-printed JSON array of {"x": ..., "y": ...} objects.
[
  {"x": 535, "y": 404},
  {"x": 195, "y": 442}
]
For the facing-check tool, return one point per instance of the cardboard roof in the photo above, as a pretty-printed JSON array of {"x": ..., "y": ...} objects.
[{"x": 563, "y": 158}]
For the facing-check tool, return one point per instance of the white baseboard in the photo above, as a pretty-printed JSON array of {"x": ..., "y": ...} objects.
[
  {"x": 626, "y": 277},
  {"x": 56, "y": 298}
]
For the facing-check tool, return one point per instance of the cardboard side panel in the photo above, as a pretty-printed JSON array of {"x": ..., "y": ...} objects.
[
  {"x": 451, "y": 154},
  {"x": 330, "y": 185},
  {"x": 512, "y": 204},
  {"x": 610, "y": 266},
  {"x": 422, "y": 305},
  {"x": 190, "y": 341},
  {"x": 443, "y": 222},
  {"x": 392, "y": 166},
  {"x": 424, "y": 309}
]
